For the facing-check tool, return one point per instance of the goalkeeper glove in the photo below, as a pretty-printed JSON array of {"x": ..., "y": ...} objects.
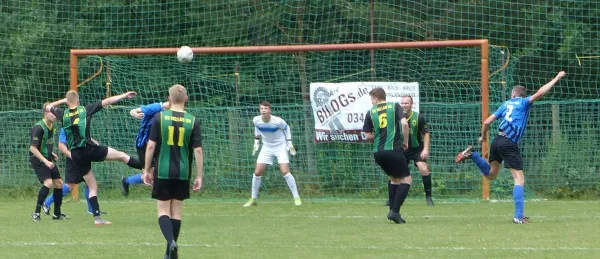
[
  {"x": 291, "y": 148},
  {"x": 256, "y": 146}
]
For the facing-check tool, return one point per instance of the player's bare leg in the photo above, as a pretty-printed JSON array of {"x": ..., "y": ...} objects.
[
  {"x": 166, "y": 226},
  {"x": 291, "y": 182},
  {"x": 494, "y": 170},
  {"x": 424, "y": 170},
  {"x": 519, "y": 197},
  {"x": 116, "y": 155},
  {"x": 90, "y": 180},
  {"x": 256, "y": 180},
  {"x": 398, "y": 193}
]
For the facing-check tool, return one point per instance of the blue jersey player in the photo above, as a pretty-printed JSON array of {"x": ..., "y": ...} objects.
[
  {"x": 505, "y": 147},
  {"x": 145, "y": 113}
]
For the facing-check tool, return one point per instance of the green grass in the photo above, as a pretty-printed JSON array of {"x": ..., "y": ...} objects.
[{"x": 317, "y": 229}]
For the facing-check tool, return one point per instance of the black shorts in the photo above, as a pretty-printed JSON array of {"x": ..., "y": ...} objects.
[
  {"x": 167, "y": 189},
  {"x": 504, "y": 149},
  {"x": 42, "y": 171},
  {"x": 392, "y": 163},
  {"x": 142, "y": 156},
  {"x": 84, "y": 156},
  {"x": 414, "y": 155},
  {"x": 72, "y": 173}
]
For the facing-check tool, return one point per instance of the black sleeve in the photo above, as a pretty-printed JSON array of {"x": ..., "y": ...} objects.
[
  {"x": 368, "y": 126},
  {"x": 155, "y": 129},
  {"x": 37, "y": 133},
  {"x": 196, "y": 139},
  {"x": 58, "y": 112},
  {"x": 399, "y": 112},
  {"x": 423, "y": 127},
  {"x": 93, "y": 108}
]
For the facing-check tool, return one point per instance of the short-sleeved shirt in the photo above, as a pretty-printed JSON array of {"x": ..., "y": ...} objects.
[
  {"x": 418, "y": 127},
  {"x": 42, "y": 138},
  {"x": 149, "y": 111},
  {"x": 514, "y": 114},
  {"x": 176, "y": 135},
  {"x": 77, "y": 123},
  {"x": 384, "y": 121}
]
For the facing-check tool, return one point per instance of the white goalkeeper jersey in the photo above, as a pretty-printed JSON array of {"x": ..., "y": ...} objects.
[{"x": 274, "y": 132}]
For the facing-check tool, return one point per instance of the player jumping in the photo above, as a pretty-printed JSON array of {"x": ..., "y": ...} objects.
[
  {"x": 505, "y": 147},
  {"x": 76, "y": 122},
  {"x": 277, "y": 141},
  {"x": 146, "y": 114}
]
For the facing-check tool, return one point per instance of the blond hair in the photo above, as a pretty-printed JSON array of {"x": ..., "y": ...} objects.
[
  {"x": 177, "y": 94},
  {"x": 72, "y": 97}
]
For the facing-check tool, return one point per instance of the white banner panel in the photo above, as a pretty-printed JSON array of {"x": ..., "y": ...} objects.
[{"x": 339, "y": 108}]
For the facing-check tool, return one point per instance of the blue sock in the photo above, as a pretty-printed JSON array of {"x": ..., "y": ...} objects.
[
  {"x": 86, "y": 192},
  {"x": 50, "y": 199},
  {"x": 519, "y": 197},
  {"x": 481, "y": 163},
  {"x": 134, "y": 179}
]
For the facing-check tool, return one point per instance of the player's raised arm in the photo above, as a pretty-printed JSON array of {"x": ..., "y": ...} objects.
[
  {"x": 546, "y": 88},
  {"x": 50, "y": 106},
  {"x": 117, "y": 98}
]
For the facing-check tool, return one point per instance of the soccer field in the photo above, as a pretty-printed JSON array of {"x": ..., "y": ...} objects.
[{"x": 317, "y": 229}]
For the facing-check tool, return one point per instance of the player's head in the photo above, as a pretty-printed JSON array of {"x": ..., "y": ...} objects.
[
  {"x": 48, "y": 115},
  {"x": 377, "y": 95},
  {"x": 406, "y": 103},
  {"x": 72, "y": 98},
  {"x": 518, "y": 91},
  {"x": 177, "y": 94},
  {"x": 265, "y": 108}
]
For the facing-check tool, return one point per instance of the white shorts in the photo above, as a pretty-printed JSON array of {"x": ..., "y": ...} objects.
[{"x": 267, "y": 153}]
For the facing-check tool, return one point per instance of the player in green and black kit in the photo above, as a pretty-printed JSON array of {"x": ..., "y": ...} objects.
[
  {"x": 174, "y": 140},
  {"x": 418, "y": 144},
  {"x": 383, "y": 125},
  {"x": 40, "y": 158}
]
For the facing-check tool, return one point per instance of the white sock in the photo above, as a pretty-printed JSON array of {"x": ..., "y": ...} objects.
[
  {"x": 255, "y": 185},
  {"x": 289, "y": 178}
]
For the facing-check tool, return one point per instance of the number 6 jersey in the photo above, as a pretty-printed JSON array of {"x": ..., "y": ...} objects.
[{"x": 384, "y": 121}]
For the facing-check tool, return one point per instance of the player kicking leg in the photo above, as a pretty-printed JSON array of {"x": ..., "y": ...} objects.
[
  {"x": 514, "y": 114},
  {"x": 71, "y": 178},
  {"x": 277, "y": 141},
  {"x": 40, "y": 158},
  {"x": 171, "y": 180},
  {"x": 146, "y": 114}
]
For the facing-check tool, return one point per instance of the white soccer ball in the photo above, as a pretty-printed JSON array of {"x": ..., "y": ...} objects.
[{"x": 185, "y": 54}]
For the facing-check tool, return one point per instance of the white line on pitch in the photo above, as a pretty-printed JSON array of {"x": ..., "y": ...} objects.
[{"x": 298, "y": 246}]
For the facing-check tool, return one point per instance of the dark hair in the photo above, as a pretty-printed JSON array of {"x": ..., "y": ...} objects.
[
  {"x": 520, "y": 90},
  {"x": 378, "y": 93},
  {"x": 266, "y": 104}
]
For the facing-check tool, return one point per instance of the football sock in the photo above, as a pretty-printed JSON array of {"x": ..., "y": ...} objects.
[
  {"x": 391, "y": 193},
  {"x": 401, "y": 193},
  {"x": 427, "y": 185},
  {"x": 95, "y": 206},
  {"x": 176, "y": 228},
  {"x": 291, "y": 182},
  {"x": 86, "y": 192},
  {"x": 518, "y": 197},
  {"x": 134, "y": 179},
  {"x": 481, "y": 163},
  {"x": 166, "y": 227},
  {"x": 41, "y": 196},
  {"x": 255, "y": 185},
  {"x": 134, "y": 163},
  {"x": 50, "y": 199},
  {"x": 58, "y": 195}
]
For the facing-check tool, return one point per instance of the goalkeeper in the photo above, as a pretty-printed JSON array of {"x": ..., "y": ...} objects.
[{"x": 277, "y": 141}]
